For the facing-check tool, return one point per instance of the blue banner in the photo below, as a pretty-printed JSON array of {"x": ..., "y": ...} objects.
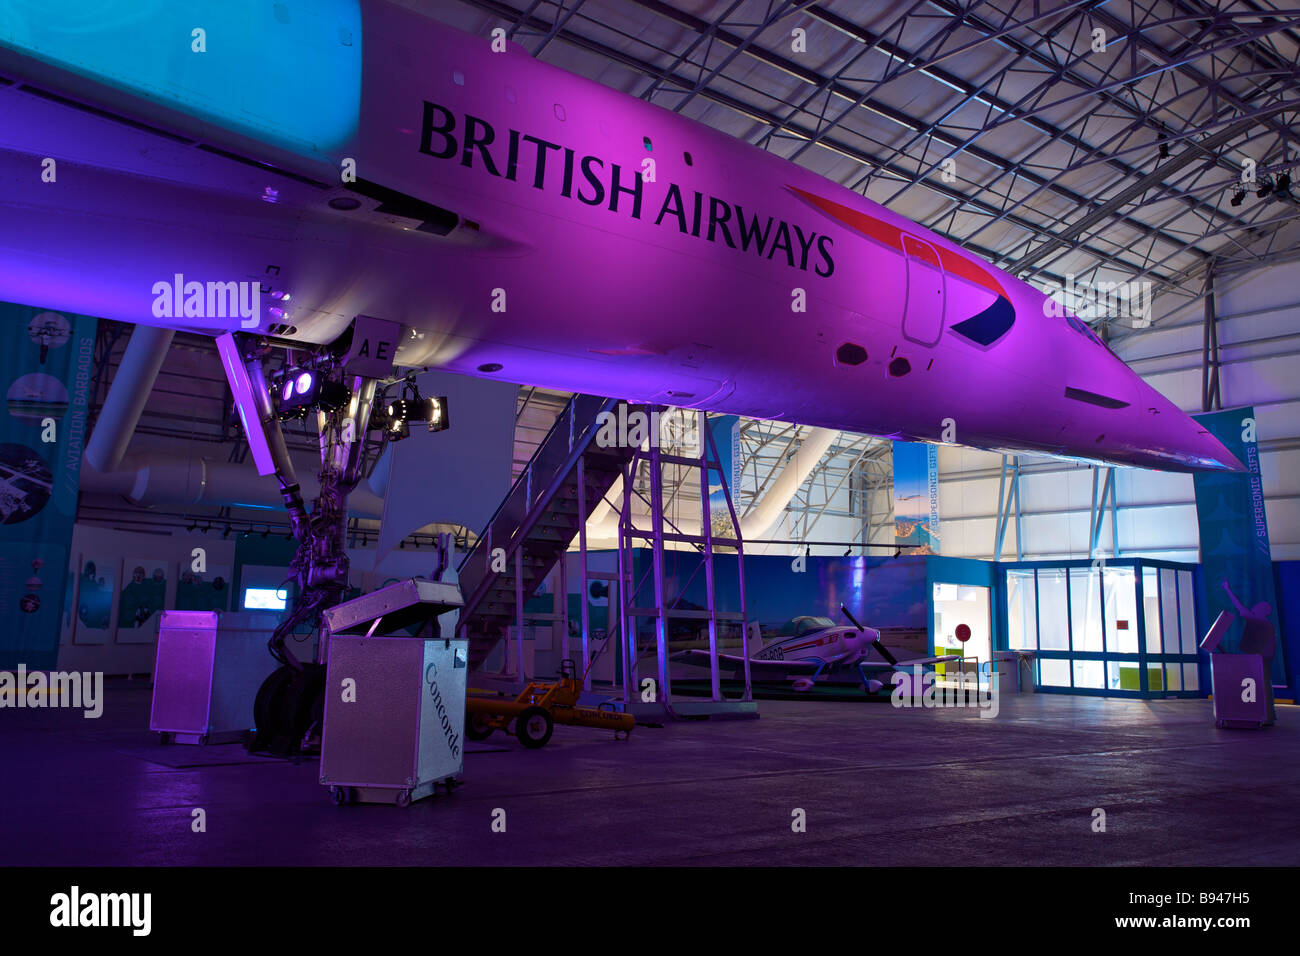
[
  {"x": 725, "y": 430},
  {"x": 46, "y": 369},
  {"x": 916, "y": 496},
  {"x": 1234, "y": 530}
]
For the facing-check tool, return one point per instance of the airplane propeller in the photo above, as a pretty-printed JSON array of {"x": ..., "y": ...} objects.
[{"x": 875, "y": 641}]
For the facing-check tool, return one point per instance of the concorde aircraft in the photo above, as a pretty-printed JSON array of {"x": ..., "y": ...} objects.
[{"x": 347, "y": 157}]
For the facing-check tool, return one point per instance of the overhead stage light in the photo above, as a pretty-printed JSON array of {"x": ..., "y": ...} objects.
[
  {"x": 396, "y": 418},
  {"x": 1238, "y": 195},
  {"x": 1282, "y": 187},
  {"x": 300, "y": 390}
]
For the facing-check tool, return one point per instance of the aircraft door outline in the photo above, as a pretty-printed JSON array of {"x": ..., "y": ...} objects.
[{"x": 923, "y": 314}]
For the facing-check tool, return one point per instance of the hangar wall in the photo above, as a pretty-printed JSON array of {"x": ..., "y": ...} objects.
[
  {"x": 115, "y": 645},
  {"x": 1260, "y": 355}
]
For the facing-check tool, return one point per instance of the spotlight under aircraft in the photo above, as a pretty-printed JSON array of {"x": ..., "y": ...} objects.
[{"x": 348, "y": 158}]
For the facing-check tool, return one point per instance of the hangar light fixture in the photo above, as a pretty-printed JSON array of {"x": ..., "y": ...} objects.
[
  {"x": 1282, "y": 187},
  {"x": 299, "y": 390},
  {"x": 396, "y": 417}
]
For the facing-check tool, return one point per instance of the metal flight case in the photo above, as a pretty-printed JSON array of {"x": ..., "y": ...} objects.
[{"x": 394, "y": 696}]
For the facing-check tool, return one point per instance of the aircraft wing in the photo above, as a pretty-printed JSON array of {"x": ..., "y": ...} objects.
[
  {"x": 734, "y": 662},
  {"x": 885, "y": 665}
]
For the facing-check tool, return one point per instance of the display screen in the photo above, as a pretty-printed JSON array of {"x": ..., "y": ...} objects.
[{"x": 264, "y": 599}]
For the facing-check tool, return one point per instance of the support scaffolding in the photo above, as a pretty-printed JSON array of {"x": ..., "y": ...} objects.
[{"x": 655, "y": 698}]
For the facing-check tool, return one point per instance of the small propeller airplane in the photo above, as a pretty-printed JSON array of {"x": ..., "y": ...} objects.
[{"x": 818, "y": 648}]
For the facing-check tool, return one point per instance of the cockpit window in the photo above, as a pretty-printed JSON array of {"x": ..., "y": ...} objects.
[
  {"x": 802, "y": 625},
  {"x": 988, "y": 326},
  {"x": 1084, "y": 329}
]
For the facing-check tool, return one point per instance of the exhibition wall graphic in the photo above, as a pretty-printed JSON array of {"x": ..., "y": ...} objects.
[
  {"x": 142, "y": 599},
  {"x": 725, "y": 430},
  {"x": 1234, "y": 529},
  {"x": 916, "y": 496},
  {"x": 885, "y": 593},
  {"x": 46, "y": 370}
]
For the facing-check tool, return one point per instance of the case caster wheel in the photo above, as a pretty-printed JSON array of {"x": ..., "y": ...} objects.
[
  {"x": 164, "y": 739},
  {"x": 533, "y": 727},
  {"x": 477, "y": 727},
  {"x": 404, "y": 798},
  {"x": 340, "y": 795}
]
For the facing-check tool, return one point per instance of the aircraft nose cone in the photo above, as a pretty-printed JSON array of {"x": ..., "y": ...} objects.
[
  {"x": 1213, "y": 455},
  {"x": 1184, "y": 443}
]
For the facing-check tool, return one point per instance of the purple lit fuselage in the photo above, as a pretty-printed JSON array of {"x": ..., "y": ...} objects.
[{"x": 683, "y": 290}]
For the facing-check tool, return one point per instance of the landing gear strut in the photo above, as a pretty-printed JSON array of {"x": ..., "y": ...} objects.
[
  {"x": 289, "y": 706},
  {"x": 339, "y": 383}
]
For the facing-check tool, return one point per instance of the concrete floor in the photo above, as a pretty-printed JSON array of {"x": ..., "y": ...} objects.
[{"x": 879, "y": 786}]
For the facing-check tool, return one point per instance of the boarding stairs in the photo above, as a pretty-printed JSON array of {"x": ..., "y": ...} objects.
[{"x": 555, "y": 494}]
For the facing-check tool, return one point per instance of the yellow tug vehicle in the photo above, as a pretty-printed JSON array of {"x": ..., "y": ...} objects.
[{"x": 539, "y": 707}]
